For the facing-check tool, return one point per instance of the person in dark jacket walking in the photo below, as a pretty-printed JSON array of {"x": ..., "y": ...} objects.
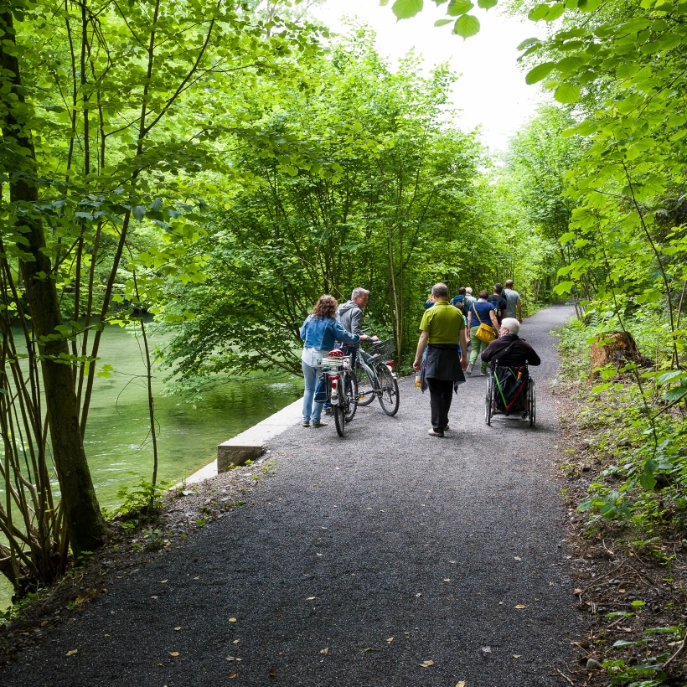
[
  {"x": 498, "y": 300},
  {"x": 443, "y": 328},
  {"x": 509, "y": 349}
]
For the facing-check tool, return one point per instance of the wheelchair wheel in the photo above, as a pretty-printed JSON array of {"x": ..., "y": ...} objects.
[
  {"x": 489, "y": 401},
  {"x": 532, "y": 403}
]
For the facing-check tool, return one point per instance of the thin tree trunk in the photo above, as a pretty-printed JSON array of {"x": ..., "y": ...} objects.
[{"x": 86, "y": 526}]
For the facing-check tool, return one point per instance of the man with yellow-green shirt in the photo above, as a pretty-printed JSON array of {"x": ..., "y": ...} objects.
[{"x": 443, "y": 330}]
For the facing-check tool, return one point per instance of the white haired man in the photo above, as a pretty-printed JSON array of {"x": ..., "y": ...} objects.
[
  {"x": 443, "y": 329},
  {"x": 350, "y": 316},
  {"x": 350, "y": 313},
  {"x": 509, "y": 349}
]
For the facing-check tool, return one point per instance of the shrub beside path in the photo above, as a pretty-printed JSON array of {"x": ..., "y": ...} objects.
[{"x": 385, "y": 558}]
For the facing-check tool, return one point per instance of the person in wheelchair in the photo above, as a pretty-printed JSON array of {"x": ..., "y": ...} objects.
[
  {"x": 513, "y": 356},
  {"x": 509, "y": 349}
]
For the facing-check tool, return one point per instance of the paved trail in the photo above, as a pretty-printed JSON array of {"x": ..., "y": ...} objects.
[{"x": 387, "y": 533}]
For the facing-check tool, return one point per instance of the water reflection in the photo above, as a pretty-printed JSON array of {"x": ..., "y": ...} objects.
[{"x": 117, "y": 438}]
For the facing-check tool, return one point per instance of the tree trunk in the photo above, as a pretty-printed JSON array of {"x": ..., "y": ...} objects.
[{"x": 86, "y": 525}]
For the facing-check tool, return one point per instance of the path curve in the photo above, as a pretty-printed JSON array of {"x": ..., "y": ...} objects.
[{"x": 385, "y": 534}]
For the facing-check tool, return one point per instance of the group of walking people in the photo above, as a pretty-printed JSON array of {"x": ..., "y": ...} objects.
[
  {"x": 442, "y": 351},
  {"x": 486, "y": 311}
]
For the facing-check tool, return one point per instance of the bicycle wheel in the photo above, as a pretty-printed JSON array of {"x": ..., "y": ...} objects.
[
  {"x": 366, "y": 386},
  {"x": 388, "y": 390},
  {"x": 339, "y": 419},
  {"x": 351, "y": 396}
]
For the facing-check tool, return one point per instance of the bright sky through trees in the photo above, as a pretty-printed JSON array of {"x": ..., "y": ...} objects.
[{"x": 491, "y": 91}]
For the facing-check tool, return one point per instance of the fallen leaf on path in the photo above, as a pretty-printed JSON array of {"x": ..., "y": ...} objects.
[
  {"x": 517, "y": 655},
  {"x": 517, "y": 558},
  {"x": 164, "y": 581},
  {"x": 236, "y": 641},
  {"x": 178, "y": 628},
  {"x": 311, "y": 598},
  {"x": 72, "y": 652},
  {"x": 232, "y": 620},
  {"x": 391, "y": 639},
  {"x": 324, "y": 652},
  {"x": 273, "y": 672},
  {"x": 196, "y": 578},
  {"x": 232, "y": 676},
  {"x": 107, "y": 635},
  {"x": 320, "y": 554},
  {"x": 44, "y": 623},
  {"x": 370, "y": 648},
  {"x": 578, "y": 591},
  {"x": 460, "y": 684},
  {"x": 453, "y": 562},
  {"x": 173, "y": 653},
  {"x": 486, "y": 649},
  {"x": 419, "y": 594},
  {"x": 162, "y": 665},
  {"x": 426, "y": 664},
  {"x": 447, "y": 579},
  {"x": 521, "y": 606},
  {"x": 153, "y": 597},
  {"x": 233, "y": 658}
]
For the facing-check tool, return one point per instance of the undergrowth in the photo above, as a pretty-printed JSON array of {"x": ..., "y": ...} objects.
[
  {"x": 638, "y": 428},
  {"x": 634, "y": 425}
]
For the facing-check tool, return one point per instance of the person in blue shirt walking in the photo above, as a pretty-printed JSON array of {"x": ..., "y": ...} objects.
[
  {"x": 319, "y": 333},
  {"x": 480, "y": 312}
]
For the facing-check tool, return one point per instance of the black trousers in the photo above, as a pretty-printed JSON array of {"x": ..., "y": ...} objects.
[{"x": 441, "y": 395}]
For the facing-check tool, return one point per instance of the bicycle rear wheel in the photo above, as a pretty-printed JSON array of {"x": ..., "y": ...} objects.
[
  {"x": 351, "y": 386},
  {"x": 366, "y": 386},
  {"x": 339, "y": 419},
  {"x": 388, "y": 390}
]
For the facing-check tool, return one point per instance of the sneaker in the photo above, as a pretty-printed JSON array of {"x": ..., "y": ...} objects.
[
  {"x": 318, "y": 424},
  {"x": 483, "y": 372},
  {"x": 468, "y": 371},
  {"x": 432, "y": 433},
  {"x": 306, "y": 423}
]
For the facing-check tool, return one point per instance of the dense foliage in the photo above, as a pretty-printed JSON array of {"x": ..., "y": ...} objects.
[
  {"x": 109, "y": 112},
  {"x": 405, "y": 206}
]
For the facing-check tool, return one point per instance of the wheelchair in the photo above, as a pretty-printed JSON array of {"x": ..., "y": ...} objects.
[{"x": 510, "y": 392}]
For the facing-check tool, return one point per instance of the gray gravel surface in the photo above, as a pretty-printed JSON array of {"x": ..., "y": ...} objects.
[{"x": 385, "y": 534}]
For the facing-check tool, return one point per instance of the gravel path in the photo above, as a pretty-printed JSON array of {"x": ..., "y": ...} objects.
[{"x": 385, "y": 534}]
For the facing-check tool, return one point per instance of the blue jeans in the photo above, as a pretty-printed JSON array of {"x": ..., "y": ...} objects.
[{"x": 311, "y": 411}]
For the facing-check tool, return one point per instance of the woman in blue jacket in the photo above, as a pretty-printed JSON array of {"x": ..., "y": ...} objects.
[{"x": 319, "y": 332}]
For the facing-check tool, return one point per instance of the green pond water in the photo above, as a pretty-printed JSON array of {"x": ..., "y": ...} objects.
[{"x": 117, "y": 439}]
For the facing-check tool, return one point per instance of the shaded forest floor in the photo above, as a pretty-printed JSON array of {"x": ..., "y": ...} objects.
[{"x": 631, "y": 586}]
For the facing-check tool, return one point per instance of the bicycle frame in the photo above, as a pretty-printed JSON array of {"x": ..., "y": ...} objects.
[
  {"x": 369, "y": 363},
  {"x": 336, "y": 380}
]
